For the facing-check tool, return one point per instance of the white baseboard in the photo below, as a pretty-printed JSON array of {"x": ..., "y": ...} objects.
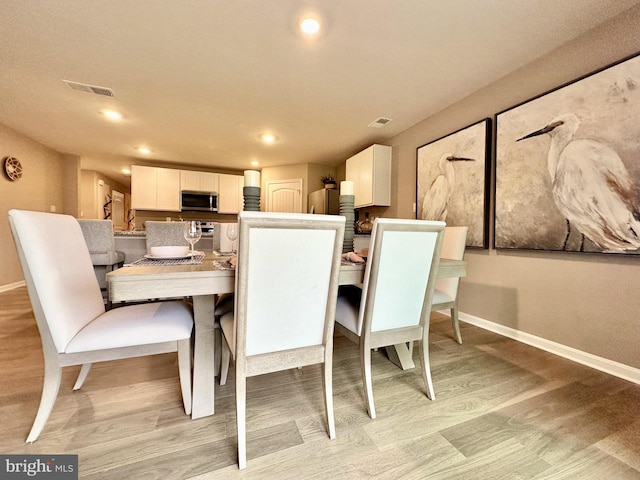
[
  {"x": 11, "y": 286},
  {"x": 604, "y": 365}
]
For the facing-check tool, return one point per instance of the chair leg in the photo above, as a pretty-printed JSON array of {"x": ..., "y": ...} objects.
[
  {"x": 365, "y": 362},
  {"x": 50, "y": 388},
  {"x": 82, "y": 376},
  {"x": 241, "y": 419},
  {"x": 184, "y": 369},
  {"x": 327, "y": 383},
  {"x": 426, "y": 366},
  {"x": 218, "y": 341},
  {"x": 456, "y": 324},
  {"x": 225, "y": 359}
]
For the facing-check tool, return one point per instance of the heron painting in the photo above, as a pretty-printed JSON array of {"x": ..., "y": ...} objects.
[
  {"x": 452, "y": 181},
  {"x": 568, "y": 167},
  {"x": 435, "y": 204}
]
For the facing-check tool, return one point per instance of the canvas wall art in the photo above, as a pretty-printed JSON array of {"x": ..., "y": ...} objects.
[
  {"x": 452, "y": 175},
  {"x": 568, "y": 166}
]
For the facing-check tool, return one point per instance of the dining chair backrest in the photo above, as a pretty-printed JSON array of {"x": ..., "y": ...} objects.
[
  {"x": 287, "y": 280},
  {"x": 98, "y": 234},
  {"x": 453, "y": 248},
  {"x": 159, "y": 234},
  {"x": 62, "y": 285},
  {"x": 400, "y": 274}
]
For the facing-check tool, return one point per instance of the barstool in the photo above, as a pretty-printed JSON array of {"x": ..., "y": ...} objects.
[{"x": 98, "y": 234}]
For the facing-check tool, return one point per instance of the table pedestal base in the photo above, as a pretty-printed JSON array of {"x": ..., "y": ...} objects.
[{"x": 400, "y": 355}]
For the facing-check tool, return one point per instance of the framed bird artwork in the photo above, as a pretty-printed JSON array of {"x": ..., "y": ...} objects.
[
  {"x": 452, "y": 175},
  {"x": 568, "y": 166}
]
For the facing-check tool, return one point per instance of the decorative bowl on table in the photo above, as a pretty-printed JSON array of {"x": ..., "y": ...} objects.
[{"x": 169, "y": 251}]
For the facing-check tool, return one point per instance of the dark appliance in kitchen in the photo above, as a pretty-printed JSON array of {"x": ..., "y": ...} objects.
[{"x": 198, "y": 201}]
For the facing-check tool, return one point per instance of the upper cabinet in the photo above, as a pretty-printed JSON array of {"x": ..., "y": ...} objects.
[
  {"x": 199, "y": 181},
  {"x": 155, "y": 188},
  {"x": 370, "y": 171},
  {"x": 230, "y": 197}
]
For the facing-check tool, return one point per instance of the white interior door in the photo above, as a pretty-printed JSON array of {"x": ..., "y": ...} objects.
[
  {"x": 117, "y": 210},
  {"x": 284, "y": 196}
]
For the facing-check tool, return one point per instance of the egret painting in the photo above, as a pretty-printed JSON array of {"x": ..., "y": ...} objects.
[
  {"x": 452, "y": 175},
  {"x": 568, "y": 167}
]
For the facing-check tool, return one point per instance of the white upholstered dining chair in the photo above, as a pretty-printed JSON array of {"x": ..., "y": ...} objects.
[
  {"x": 74, "y": 327},
  {"x": 394, "y": 303},
  {"x": 446, "y": 292},
  {"x": 285, "y": 297}
]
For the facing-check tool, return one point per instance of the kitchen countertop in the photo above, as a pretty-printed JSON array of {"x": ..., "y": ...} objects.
[
  {"x": 130, "y": 233},
  {"x": 142, "y": 233}
]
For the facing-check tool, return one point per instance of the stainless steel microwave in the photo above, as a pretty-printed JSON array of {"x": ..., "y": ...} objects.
[{"x": 198, "y": 201}]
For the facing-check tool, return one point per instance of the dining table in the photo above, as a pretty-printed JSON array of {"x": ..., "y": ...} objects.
[{"x": 204, "y": 280}]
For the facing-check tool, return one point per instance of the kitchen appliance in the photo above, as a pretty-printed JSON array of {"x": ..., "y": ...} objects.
[
  {"x": 206, "y": 227},
  {"x": 325, "y": 201},
  {"x": 198, "y": 201}
]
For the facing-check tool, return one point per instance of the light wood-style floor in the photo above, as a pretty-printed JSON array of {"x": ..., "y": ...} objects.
[{"x": 504, "y": 410}]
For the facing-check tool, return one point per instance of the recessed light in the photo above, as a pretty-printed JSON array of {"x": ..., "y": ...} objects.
[
  {"x": 310, "y": 26},
  {"x": 268, "y": 138},
  {"x": 255, "y": 163},
  {"x": 125, "y": 171},
  {"x": 112, "y": 115},
  {"x": 144, "y": 150}
]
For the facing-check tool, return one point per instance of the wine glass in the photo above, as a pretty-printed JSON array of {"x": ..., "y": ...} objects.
[
  {"x": 192, "y": 233},
  {"x": 232, "y": 234}
]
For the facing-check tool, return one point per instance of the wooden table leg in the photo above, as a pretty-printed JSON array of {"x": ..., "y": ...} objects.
[{"x": 203, "y": 357}]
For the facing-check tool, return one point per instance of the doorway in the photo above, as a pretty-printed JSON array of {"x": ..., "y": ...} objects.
[{"x": 284, "y": 196}]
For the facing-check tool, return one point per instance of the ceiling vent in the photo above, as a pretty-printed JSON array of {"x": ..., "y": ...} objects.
[
  {"x": 83, "y": 87},
  {"x": 379, "y": 122}
]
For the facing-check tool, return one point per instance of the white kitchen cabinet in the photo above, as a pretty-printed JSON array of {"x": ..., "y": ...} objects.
[
  {"x": 230, "y": 199},
  {"x": 155, "y": 188},
  {"x": 370, "y": 172},
  {"x": 198, "y": 181}
]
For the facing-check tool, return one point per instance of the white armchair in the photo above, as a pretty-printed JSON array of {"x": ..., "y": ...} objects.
[
  {"x": 286, "y": 288},
  {"x": 67, "y": 304},
  {"x": 394, "y": 304}
]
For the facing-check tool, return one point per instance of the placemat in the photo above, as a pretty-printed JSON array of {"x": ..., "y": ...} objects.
[{"x": 195, "y": 260}]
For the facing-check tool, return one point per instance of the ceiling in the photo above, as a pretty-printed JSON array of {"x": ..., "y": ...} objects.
[{"x": 198, "y": 81}]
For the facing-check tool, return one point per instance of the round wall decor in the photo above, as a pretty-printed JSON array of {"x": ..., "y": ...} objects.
[{"x": 12, "y": 168}]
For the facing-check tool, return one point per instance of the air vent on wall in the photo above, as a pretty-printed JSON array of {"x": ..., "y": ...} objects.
[
  {"x": 83, "y": 87},
  {"x": 379, "y": 122}
]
